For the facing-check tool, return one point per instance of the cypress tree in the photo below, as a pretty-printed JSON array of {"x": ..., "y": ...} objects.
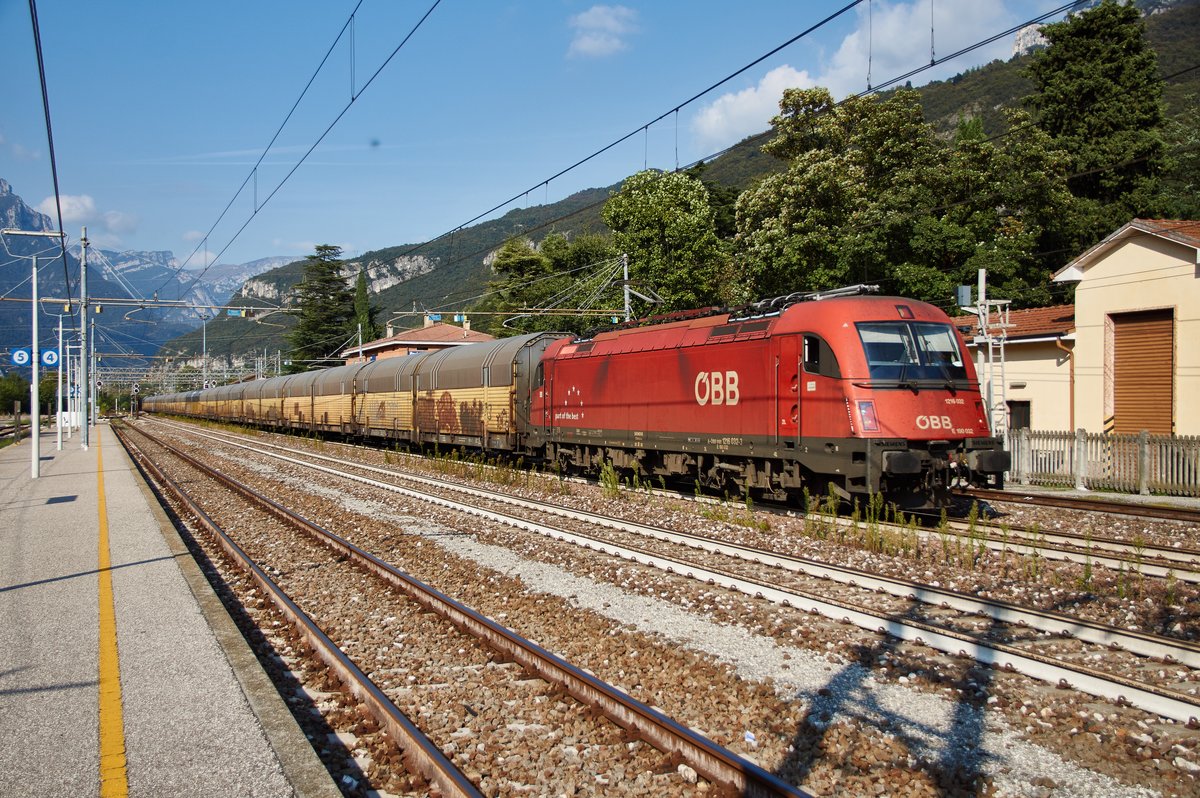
[
  {"x": 364, "y": 312},
  {"x": 325, "y": 311}
]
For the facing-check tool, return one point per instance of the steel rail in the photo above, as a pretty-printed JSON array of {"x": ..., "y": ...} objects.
[
  {"x": 1185, "y": 652},
  {"x": 1161, "y": 701},
  {"x": 1153, "y": 551},
  {"x": 1172, "y": 563},
  {"x": 419, "y": 752},
  {"x": 1094, "y": 505},
  {"x": 1068, "y": 551},
  {"x": 714, "y": 762}
]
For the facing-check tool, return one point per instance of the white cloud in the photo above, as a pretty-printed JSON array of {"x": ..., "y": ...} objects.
[
  {"x": 75, "y": 208},
  {"x": 120, "y": 222},
  {"x": 110, "y": 226},
  {"x": 895, "y": 37},
  {"x": 286, "y": 247},
  {"x": 889, "y": 38},
  {"x": 192, "y": 236},
  {"x": 23, "y": 153},
  {"x": 601, "y": 30},
  {"x": 732, "y": 117}
]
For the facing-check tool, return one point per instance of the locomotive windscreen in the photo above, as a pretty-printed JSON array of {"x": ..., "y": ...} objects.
[{"x": 911, "y": 350}]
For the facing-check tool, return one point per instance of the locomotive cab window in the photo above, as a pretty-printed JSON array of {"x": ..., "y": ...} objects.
[
  {"x": 819, "y": 357},
  {"x": 910, "y": 351}
]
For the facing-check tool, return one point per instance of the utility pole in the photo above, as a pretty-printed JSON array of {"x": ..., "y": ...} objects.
[
  {"x": 70, "y": 394},
  {"x": 625, "y": 284},
  {"x": 992, "y": 337},
  {"x": 204, "y": 349},
  {"x": 58, "y": 396},
  {"x": 35, "y": 415},
  {"x": 34, "y": 406},
  {"x": 84, "y": 381},
  {"x": 95, "y": 374}
]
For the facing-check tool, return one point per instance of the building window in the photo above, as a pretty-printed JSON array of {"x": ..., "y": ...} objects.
[{"x": 1018, "y": 415}]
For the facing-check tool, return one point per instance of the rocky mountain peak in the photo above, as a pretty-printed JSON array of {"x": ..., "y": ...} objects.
[{"x": 15, "y": 214}]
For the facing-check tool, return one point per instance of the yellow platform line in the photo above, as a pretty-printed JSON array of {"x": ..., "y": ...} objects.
[{"x": 114, "y": 781}]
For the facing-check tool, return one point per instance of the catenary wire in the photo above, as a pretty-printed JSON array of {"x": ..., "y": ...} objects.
[
  {"x": 271, "y": 143},
  {"x": 37, "y": 44},
  {"x": 315, "y": 144},
  {"x": 417, "y": 247}
]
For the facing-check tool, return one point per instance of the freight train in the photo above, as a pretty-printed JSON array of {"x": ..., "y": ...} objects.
[{"x": 842, "y": 393}]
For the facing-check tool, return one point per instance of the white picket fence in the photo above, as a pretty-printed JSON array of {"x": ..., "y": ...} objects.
[{"x": 1142, "y": 463}]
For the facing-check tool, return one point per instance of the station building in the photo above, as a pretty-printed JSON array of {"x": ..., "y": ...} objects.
[
  {"x": 431, "y": 336},
  {"x": 1126, "y": 356}
]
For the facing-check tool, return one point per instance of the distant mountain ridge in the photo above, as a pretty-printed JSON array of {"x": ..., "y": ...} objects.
[
  {"x": 129, "y": 275},
  {"x": 452, "y": 271}
]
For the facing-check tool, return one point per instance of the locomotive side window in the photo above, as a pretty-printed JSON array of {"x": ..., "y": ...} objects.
[
  {"x": 819, "y": 357},
  {"x": 911, "y": 351},
  {"x": 812, "y": 354}
]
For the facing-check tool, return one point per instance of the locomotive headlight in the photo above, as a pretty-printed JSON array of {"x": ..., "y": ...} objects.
[{"x": 866, "y": 412}]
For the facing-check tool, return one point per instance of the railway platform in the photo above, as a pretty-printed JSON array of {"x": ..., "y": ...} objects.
[{"x": 120, "y": 671}]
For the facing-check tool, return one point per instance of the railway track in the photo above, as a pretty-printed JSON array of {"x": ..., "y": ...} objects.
[
  {"x": 1144, "y": 559},
  {"x": 1089, "y": 505},
  {"x": 421, "y": 755},
  {"x": 705, "y": 757},
  {"x": 1014, "y": 648}
]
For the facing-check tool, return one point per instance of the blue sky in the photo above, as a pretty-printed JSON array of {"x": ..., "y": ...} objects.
[{"x": 161, "y": 109}]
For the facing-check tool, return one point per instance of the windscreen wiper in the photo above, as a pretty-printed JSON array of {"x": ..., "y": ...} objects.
[{"x": 949, "y": 381}]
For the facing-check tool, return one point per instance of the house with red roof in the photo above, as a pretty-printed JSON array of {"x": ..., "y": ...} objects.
[
  {"x": 1038, "y": 369},
  {"x": 1137, "y": 329},
  {"x": 433, "y": 335},
  {"x": 1125, "y": 357}
]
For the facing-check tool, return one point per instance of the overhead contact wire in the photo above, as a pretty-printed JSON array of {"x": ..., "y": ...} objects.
[{"x": 37, "y": 44}]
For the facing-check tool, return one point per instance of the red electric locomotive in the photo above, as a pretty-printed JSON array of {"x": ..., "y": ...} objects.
[
  {"x": 843, "y": 392},
  {"x": 838, "y": 391}
]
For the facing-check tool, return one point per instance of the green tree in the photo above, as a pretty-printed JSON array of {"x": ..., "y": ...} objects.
[
  {"x": 1181, "y": 184},
  {"x": 13, "y": 388},
  {"x": 365, "y": 313},
  {"x": 47, "y": 387},
  {"x": 723, "y": 199},
  {"x": 666, "y": 225},
  {"x": 561, "y": 278},
  {"x": 1098, "y": 94},
  {"x": 871, "y": 194},
  {"x": 841, "y": 212},
  {"x": 324, "y": 311}
]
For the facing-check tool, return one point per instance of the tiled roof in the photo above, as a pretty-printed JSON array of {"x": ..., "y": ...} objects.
[
  {"x": 1181, "y": 231},
  {"x": 1030, "y": 323},
  {"x": 436, "y": 334}
]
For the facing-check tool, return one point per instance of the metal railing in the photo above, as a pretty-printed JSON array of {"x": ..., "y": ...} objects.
[{"x": 1141, "y": 463}]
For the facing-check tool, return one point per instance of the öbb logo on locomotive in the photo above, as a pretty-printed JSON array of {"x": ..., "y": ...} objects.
[
  {"x": 934, "y": 422},
  {"x": 717, "y": 388}
]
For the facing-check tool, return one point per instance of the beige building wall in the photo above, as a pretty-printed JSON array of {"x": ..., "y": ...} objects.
[
  {"x": 1144, "y": 272},
  {"x": 1040, "y": 373}
]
